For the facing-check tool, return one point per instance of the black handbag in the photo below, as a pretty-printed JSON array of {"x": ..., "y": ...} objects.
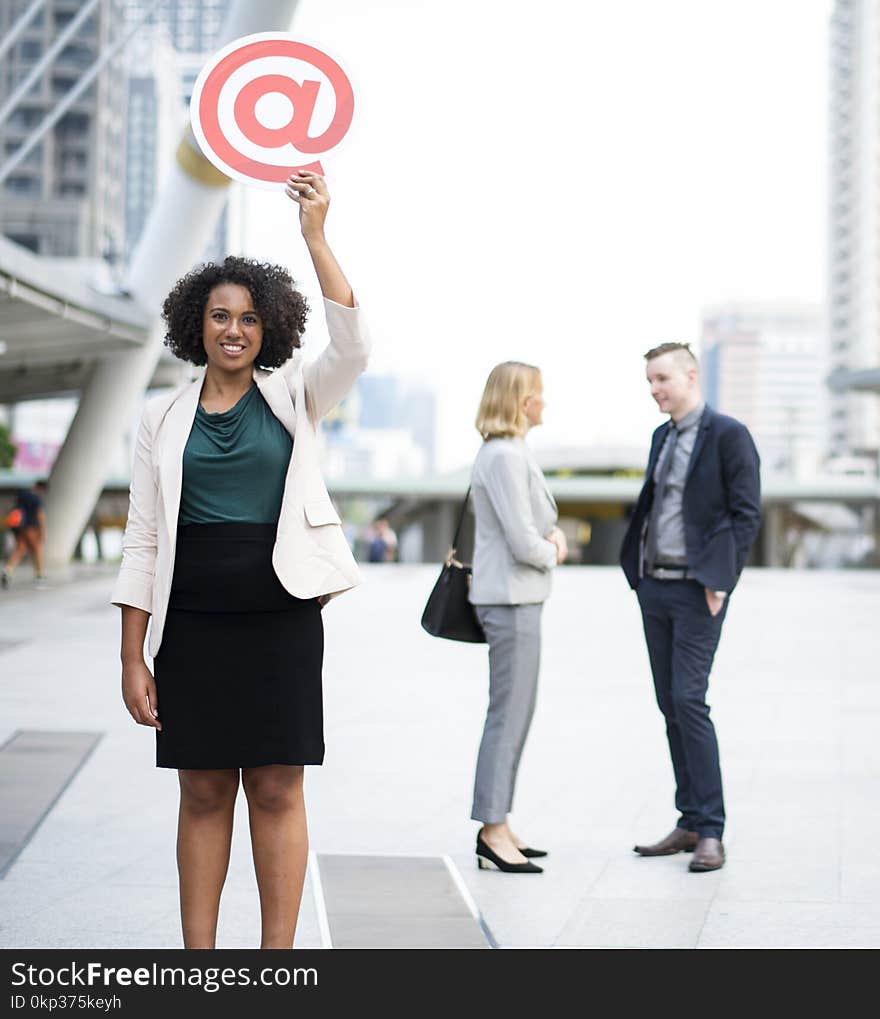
[{"x": 448, "y": 613}]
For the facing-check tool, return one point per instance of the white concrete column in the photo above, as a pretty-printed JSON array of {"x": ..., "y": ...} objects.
[
  {"x": 772, "y": 544},
  {"x": 874, "y": 511},
  {"x": 188, "y": 206},
  {"x": 438, "y": 529}
]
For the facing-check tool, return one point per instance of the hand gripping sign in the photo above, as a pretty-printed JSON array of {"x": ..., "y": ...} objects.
[{"x": 265, "y": 105}]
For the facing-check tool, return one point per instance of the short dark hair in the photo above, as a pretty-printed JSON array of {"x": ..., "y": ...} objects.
[
  {"x": 671, "y": 348},
  {"x": 42, "y": 483},
  {"x": 282, "y": 308}
]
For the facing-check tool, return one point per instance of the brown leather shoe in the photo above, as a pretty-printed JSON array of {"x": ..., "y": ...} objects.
[
  {"x": 677, "y": 841},
  {"x": 709, "y": 855}
]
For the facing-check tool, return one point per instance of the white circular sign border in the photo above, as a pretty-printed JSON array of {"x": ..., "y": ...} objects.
[{"x": 206, "y": 149}]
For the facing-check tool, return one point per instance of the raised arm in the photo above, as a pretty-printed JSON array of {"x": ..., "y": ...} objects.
[
  {"x": 330, "y": 377},
  {"x": 309, "y": 191}
]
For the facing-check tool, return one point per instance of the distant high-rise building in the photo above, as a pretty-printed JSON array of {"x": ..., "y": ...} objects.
[
  {"x": 383, "y": 428},
  {"x": 380, "y": 397},
  {"x": 192, "y": 25},
  {"x": 186, "y": 32},
  {"x": 153, "y": 126},
  {"x": 385, "y": 402},
  {"x": 66, "y": 197},
  {"x": 419, "y": 415},
  {"x": 195, "y": 24},
  {"x": 766, "y": 364},
  {"x": 854, "y": 220}
]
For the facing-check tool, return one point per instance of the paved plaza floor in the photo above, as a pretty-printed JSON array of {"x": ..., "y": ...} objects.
[{"x": 795, "y": 695}]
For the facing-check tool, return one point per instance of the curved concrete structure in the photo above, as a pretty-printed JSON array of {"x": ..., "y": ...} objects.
[{"x": 189, "y": 203}]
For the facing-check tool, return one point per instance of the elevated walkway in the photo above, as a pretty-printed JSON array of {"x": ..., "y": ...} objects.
[
  {"x": 433, "y": 503},
  {"x": 54, "y": 326}
]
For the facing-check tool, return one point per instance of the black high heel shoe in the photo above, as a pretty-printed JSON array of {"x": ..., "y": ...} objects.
[
  {"x": 487, "y": 858},
  {"x": 533, "y": 854}
]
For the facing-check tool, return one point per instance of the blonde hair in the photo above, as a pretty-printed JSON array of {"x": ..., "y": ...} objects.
[{"x": 501, "y": 407}]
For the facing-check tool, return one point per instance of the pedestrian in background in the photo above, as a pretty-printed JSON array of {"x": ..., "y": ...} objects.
[
  {"x": 27, "y": 521},
  {"x": 231, "y": 549},
  {"x": 516, "y": 547},
  {"x": 383, "y": 544},
  {"x": 696, "y": 518}
]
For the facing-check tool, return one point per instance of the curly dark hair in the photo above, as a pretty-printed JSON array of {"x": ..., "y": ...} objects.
[{"x": 282, "y": 308}]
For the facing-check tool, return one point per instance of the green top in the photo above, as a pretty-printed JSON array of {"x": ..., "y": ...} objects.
[{"x": 235, "y": 464}]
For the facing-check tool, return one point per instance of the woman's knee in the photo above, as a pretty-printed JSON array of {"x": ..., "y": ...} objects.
[
  {"x": 276, "y": 787},
  {"x": 207, "y": 791}
]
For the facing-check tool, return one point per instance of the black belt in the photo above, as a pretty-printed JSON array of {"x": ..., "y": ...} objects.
[{"x": 670, "y": 572}]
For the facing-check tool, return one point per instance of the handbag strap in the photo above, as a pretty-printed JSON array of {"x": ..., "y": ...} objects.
[{"x": 461, "y": 519}]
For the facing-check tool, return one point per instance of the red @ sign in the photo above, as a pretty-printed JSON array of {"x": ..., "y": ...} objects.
[{"x": 266, "y": 105}]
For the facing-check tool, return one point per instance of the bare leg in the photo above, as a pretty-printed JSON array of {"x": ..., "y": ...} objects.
[
  {"x": 499, "y": 838},
  {"x": 204, "y": 838},
  {"x": 18, "y": 553},
  {"x": 37, "y": 552},
  {"x": 517, "y": 841},
  {"x": 280, "y": 839}
]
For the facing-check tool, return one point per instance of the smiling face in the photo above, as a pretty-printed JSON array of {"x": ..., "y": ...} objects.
[
  {"x": 674, "y": 382},
  {"x": 232, "y": 331}
]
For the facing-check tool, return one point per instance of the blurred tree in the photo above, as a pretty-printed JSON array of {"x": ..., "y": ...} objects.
[{"x": 7, "y": 448}]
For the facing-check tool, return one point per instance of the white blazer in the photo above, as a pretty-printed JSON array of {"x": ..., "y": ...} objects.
[
  {"x": 514, "y": 511},
  {"x": 311, "y": 556}
]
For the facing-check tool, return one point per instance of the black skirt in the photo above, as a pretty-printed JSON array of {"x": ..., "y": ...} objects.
[{"x": 238, "y": 673}]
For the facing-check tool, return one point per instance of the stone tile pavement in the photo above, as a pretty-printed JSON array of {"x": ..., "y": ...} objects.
[{"x": 795, "y": 695}]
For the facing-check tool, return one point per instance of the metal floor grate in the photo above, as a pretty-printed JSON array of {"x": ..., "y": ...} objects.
[
  {"x": 35, "y": 769},
  {"x": 397, "y": 902}
]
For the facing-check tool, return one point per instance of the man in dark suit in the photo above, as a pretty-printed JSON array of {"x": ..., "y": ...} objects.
[{"x": 687, "y": 542}]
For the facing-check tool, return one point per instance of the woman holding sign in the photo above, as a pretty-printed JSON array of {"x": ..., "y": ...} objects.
[{"x": 231, "y": 549}]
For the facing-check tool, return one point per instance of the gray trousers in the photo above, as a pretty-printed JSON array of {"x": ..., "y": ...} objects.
[{"x": 514, "y": 635}]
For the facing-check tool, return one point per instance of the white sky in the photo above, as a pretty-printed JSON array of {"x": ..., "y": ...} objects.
[{"x": 565, "y": 184}]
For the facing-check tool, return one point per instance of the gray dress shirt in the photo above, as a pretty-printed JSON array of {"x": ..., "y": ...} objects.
[{"x": 667, "y": 516}]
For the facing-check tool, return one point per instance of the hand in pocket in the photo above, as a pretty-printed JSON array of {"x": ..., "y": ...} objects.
[{"x": 714, "y": 601}]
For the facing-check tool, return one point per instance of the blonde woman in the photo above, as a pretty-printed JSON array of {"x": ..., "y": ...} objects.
[{"x": 516, "y": 546}]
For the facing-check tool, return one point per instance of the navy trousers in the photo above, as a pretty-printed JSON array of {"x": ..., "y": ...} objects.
[{"x": 682, "y": 636}]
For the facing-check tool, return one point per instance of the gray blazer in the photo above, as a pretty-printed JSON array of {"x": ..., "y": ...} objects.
[{"x": 514, "y": 510}]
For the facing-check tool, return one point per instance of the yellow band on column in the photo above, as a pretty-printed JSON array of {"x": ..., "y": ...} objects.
[{"x": 195, "y": 165}]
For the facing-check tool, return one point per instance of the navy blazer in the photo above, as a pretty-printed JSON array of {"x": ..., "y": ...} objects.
[{"x": 721, "y": 504}]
